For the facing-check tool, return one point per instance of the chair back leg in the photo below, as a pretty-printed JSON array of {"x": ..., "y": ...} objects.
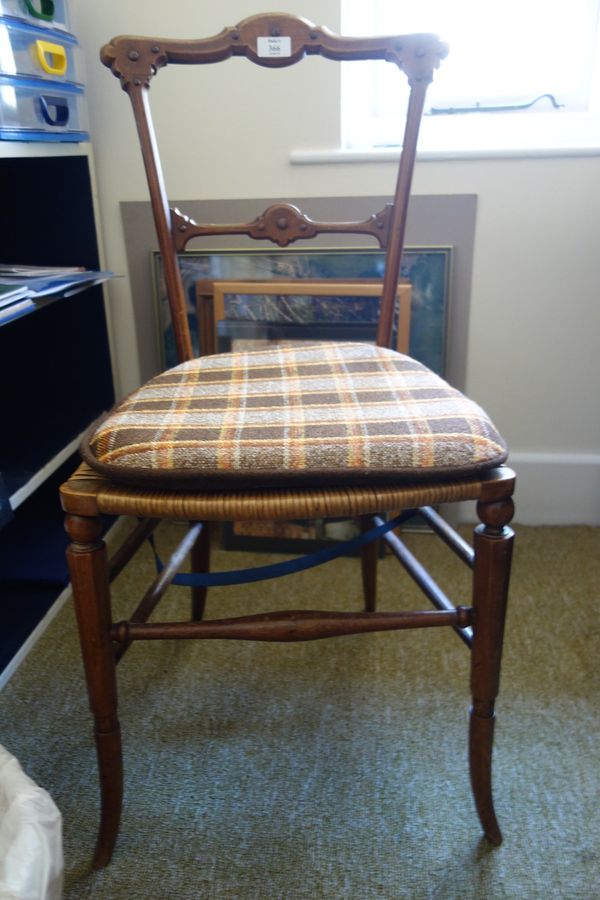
[
  {"x": 200, "y": 562},
  {"x": 368, "y": 562}
]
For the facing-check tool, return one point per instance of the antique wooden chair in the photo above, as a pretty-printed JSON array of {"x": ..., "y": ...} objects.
[{"x": 331, "y": 429}]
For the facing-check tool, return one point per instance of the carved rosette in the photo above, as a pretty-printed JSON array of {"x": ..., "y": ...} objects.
[{"x": 282, "y": 223}]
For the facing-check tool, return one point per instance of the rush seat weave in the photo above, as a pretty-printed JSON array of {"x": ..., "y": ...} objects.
[{"x": 315, "y": 413}]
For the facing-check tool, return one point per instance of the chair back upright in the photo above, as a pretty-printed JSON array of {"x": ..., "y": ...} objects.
[{"x": 273, "y": 40}]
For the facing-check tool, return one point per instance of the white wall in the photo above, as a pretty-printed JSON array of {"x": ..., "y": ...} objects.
[{"x": 533, "y": 359}]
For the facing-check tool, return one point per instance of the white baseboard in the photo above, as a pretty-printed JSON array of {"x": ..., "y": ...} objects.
[{"x": 554, "y": 489}]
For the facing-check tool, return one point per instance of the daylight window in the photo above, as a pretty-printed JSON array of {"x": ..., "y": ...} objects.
[{"x": 521, "y": 73}]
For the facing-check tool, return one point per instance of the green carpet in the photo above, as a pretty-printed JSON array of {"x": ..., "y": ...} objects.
[{"x": 335, "y": 769}]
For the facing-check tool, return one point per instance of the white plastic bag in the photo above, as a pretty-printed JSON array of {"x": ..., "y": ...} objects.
[{"x": 31, "y": 858}]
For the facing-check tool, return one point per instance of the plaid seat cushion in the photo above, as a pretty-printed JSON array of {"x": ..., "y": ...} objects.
[{"x": 313, "y": 414}]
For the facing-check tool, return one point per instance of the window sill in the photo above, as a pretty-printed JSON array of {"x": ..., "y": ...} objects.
[
  {"x": 390, "y": 154},
  {"x": 505, "y": 136}
]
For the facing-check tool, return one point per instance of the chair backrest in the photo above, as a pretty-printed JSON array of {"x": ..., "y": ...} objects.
[{"x": 273, "y": 40}]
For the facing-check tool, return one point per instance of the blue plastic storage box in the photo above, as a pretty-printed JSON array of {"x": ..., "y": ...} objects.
[{"x": 32, "y": 109}]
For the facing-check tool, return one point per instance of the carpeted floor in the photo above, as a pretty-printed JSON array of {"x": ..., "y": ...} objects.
[{"x": 335, "y": 769}]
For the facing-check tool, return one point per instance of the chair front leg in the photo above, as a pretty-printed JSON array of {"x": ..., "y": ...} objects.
[
  {"x": 493, "y": 542},
  {"x": 88, "y": 567}
]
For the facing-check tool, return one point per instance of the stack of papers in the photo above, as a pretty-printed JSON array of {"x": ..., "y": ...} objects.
[
  {"x": 23, "y": 288},
  {"x": 9, "y": 294}
]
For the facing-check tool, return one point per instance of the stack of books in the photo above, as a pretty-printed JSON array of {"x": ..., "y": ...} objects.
[{"x": 24, "y": 288}]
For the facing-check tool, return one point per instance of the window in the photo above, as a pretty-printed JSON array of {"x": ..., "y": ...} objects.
[{"x": 503, "y": 55}]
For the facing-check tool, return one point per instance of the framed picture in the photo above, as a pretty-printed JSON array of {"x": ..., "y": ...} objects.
[
  {"x": 322, "y": 297},
  {"x": 426, "y": 268},
  {"x": 260, "y": 318}
]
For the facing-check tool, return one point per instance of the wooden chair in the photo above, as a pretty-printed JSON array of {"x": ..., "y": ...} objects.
[{"x": 334, "y": 429}]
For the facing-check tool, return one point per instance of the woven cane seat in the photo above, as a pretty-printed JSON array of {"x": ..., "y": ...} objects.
[{"x": 315, "y": 413}]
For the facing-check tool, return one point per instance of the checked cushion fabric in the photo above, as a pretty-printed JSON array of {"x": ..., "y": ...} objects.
[{"x": 317, "y": 414}]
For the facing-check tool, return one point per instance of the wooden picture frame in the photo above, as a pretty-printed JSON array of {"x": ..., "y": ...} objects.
[{"x": 211, "y": 312}]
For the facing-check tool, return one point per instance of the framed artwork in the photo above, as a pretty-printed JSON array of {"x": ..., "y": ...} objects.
[
  {"x": 260, "y": 318},
  {"x": 322, "y": 294},
  {"x": 427, "y": 269}
]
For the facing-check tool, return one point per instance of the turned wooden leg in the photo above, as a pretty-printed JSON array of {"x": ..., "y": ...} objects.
[
  {"x": 368, "y": 562},
  {"x": 200, "y": 562},
  {"x": 91, "y": 594},
  {"x": 493, "y": 542}
]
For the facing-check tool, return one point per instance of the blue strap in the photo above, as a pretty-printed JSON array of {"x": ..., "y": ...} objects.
[{"x": 287, "y": 567}]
